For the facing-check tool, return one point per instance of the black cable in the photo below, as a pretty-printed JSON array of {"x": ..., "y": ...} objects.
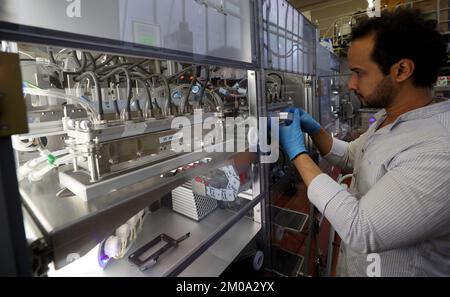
[
  {"x": 51, "y": 57},
  {"x": 80, "y": 64},
  {"x": 205, "y": 85},
  {"x": 142, "y": 69},
  {"x": 137, "y": 64},
  {"x": 74, "y": 54},
  {"x": 97, "y": 88},
  {"x": 94, "y": 65},
  {"x": 106, "y": 69},
  {"x": 106, "y": 62},
  {"x": 166, "y": 84},
  {"x": 180, "y": 72},
  {"x": 194, "y": 79}
]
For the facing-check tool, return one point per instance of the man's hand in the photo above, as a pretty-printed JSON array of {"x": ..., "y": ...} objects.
[
  {"x": 309, "y": 124},
  {"x": 291, "y": 136}
]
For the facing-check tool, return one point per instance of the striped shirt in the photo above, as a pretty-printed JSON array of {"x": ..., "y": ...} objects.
[{"x": 394, "y": 220}]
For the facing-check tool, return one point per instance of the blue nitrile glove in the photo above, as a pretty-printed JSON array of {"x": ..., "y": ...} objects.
[
  {"x": 309, "y": 124},
  {"x": 291, "y": 136}
]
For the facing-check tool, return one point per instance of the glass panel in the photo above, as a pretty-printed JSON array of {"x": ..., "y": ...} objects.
[
  {"x": 173, "y": 24},
  {"x": 154, "y": 146}
]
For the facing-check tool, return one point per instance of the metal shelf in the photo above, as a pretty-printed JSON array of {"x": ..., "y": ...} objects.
[
  {"x": 210, "y": 263},
  {"x": 75, "y": 226}
]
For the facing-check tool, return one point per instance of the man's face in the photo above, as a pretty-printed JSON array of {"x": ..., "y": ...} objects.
[{"x": 373, "y": 88}]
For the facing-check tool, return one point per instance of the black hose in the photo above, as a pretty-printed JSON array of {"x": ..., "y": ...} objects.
[
  {"x": 51, "y": 57},
  {"x": 157, "y": 76},
  {"x": 106, "y": 69},
  {"x": 142, "y": 70},
  {"x": 74, "y": 54},
  {"x": 106, "y": 62},
  {"x": 180, "y": 72},
  {"x": 137, "y": 64},
  {"x": 80, "y": 64},
  {"x": 94, "y": 65},
  {"x": 205, "y": 85},
  {"x": 186, "y": 98}
]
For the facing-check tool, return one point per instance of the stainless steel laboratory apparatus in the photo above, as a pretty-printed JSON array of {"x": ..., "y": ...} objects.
[{"x": 137, "y": 160}]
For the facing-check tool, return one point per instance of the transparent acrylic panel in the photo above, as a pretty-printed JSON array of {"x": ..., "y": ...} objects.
[
  {"x": 185, "y": 25},
  {"x": 274, "y": 59},
  {"x": 265, "y": 13},
  {"x": 309, "y": 34},
  {"x": 273, "y": 34},
  {"x": 137, "y": 164},
  {"x": 290, "y": 46},
  {"x": 288, "y": 40},
  {"x": 296, "y": 53},
  {"x": 282, "y": 16}
]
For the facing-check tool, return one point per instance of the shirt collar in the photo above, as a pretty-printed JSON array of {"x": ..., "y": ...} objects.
[
  {"x": 380, "y": 114},
  {"x": 426, "y": 111},
  {"x": 419, "y": 113}
]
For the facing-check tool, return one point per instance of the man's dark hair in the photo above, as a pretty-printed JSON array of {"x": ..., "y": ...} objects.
[{"x": 404, "y": 33}]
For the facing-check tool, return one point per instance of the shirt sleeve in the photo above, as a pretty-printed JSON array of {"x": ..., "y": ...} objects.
[
  {"x": 343, "y": 154},
  {"x": 409, "y": 204}
]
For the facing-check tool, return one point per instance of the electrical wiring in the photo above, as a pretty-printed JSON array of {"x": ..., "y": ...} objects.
[
  {"x": 138, "y": 66},
  {"x": 105, "y": 63},
  {"x": 202, "y": 91},
  {"x": 217, "y": 99},
  {"x": 51, "y": 57},
  {"x": 185, "y": 99},
  {"x": 176, "y": 75},
  {"x": 92, "y": 62}
]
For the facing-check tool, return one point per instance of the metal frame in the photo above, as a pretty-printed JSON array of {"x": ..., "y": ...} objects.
[
  {"x": 29, "y": 34},
  {"x": 306, "y": 56},
  {"x": 109, "y": 218},
  {"x": 13, "y": 246}
]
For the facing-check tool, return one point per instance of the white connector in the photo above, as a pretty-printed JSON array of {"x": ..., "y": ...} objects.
[
  {"x": 123, "y": 232},
  {"x": 112, "y": 247},
  {"x": 116, "y": 246}
]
